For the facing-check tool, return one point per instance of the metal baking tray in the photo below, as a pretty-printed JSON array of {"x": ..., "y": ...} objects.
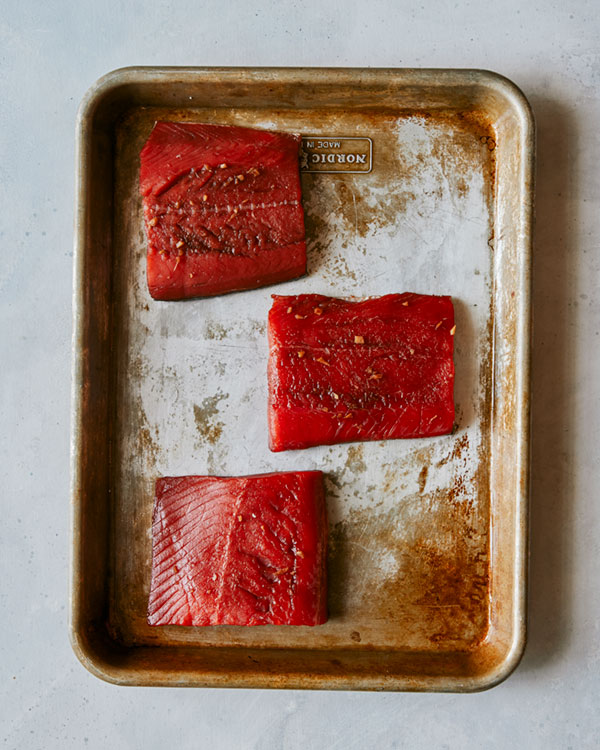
[{"x": 413, "y": 180}]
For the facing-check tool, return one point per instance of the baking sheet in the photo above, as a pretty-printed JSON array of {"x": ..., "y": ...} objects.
[{"x": 411, "y": 562}]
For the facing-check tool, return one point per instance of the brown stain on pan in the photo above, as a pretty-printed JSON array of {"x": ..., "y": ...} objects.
[
  {"x": 208, "y": 428},
  {"x": 355, "y": 459},
  {"x": 341, "y": 211},
  {"x": 434, "y": 580}
]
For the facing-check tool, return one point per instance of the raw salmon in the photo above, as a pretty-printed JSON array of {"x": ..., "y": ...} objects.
[
  {"x": 222, "y": 207},
  {"x": 376, "y": 369},
  {"x": 239, "y": 550}
]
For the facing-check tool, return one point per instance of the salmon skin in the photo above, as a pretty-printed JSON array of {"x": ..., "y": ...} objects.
[
  {"x": 239, "y": 550},
  {"x": 342, "y": 371},
  {"x": 222, "y": 209}
]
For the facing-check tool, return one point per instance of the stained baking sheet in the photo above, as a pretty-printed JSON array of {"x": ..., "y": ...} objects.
[{"x": 427, "y": 542}]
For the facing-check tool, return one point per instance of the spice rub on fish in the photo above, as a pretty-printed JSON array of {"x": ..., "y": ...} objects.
[
  {"x": 222, "y": 208},
  {"x": 343, "y": 371},
  {"x": 239, "y": 550}
]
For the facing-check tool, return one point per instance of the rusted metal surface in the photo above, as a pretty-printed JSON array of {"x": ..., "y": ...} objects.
[{"x": 427, "y": 537}]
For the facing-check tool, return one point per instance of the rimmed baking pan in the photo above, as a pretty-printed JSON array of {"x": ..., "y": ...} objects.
[{"x": 413, "y": 180}]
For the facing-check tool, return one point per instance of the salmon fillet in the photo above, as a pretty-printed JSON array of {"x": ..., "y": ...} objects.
[
  {"x": 239, "y": 550},
  {"x": 343, "y": 371},
  {"x": 222, "y": 209}
]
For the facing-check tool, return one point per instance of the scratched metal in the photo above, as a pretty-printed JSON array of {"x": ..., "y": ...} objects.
[{"x": 411, "y": 559}]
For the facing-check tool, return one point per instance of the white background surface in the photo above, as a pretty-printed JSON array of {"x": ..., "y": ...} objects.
[{"x": 50, "y": 54}]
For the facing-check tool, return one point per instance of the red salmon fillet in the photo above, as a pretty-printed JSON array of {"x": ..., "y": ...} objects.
[
  {"x": 239, "y": 550},
  {"x": 342, "y": 371},
  {"x": 222, "y": 207}
]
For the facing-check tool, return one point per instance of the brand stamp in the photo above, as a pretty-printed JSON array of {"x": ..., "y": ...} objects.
[{"x": 329, "y": 154}]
